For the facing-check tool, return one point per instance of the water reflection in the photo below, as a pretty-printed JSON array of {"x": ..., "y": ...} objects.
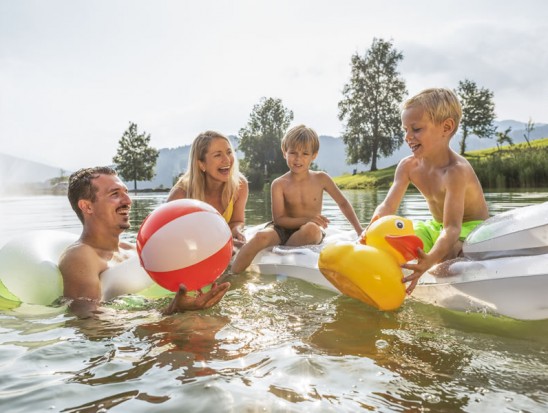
[
  {"x": 178, "y": 342},
  {"x": 420, "y": 360}
]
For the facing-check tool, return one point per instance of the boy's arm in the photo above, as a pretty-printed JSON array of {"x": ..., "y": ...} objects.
[
  {"x": 453, "y": 212},
  {"x": 392, "y": 201},
  {"x": 346, "y": 208}
]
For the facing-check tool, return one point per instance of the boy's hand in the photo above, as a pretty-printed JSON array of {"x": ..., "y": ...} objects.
[
  {"x": 418, "y": 269},
  {"x": 320, "y": 221},
  {"x": 361, "y": 237},
  {"x": 238, "y": 238}
]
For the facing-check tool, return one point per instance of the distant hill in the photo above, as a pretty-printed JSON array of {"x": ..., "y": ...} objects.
[
  {"x": 170, "y": 164},
  {"x": 173, "y": 161},
  {"x": 16, "y": 172}
]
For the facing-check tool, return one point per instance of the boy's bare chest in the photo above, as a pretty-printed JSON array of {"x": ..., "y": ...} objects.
[
  {"x": 303, "y": 195},
  {"x": 431, "y": 184}
]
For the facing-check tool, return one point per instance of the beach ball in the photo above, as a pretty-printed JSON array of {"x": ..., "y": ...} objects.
[{"x": 184, "y": 241}]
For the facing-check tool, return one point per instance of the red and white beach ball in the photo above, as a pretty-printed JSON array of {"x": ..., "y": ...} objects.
[{"x": 184, "y": 241}]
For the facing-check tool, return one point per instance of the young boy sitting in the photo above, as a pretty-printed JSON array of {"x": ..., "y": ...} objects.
[
  {"x": 445, "y": 179},
  {"x": 297, "y": 201}
]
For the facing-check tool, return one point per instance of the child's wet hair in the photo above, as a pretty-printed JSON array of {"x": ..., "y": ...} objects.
[
  {"x": 301, "y": 137},
  {"x": 438, "y": 103}
]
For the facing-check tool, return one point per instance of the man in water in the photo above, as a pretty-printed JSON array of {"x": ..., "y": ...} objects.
[{"x": 101, "y": 202}]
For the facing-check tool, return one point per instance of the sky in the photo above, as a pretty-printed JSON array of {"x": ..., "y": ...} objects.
[{"x": 75, "y": 73}]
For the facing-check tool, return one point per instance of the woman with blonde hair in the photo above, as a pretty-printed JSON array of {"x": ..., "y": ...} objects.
[{"x": 213, "y": 176}]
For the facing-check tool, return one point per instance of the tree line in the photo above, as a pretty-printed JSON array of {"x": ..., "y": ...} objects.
[{"x": 369, "y": 111}]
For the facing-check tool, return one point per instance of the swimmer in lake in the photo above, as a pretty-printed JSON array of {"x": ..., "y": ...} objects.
[{"x": 102, "y": 203}]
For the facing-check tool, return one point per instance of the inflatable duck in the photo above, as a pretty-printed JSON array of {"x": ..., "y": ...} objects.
[{"x": 370, "y": 270}]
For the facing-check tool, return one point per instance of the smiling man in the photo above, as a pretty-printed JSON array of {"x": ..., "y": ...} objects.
[{"x": 102, "y": 203}]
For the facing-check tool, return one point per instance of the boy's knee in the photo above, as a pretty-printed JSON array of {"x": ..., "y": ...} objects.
[
  {"x": 263, "y": 239},
  {"x": 311, "y": 231}
]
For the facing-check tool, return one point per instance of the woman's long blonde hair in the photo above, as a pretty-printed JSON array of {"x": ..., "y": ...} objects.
[{"x": 193, "y": 181}]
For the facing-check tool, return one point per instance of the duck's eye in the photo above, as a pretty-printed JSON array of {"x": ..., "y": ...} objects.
[{"x": 399, "y": 224}]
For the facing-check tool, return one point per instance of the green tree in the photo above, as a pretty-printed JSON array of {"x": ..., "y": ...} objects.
[
  {"x": 261, "y": 138},
  {"x": 478, "y": 112},
  {"x": 504, "y": 137},
  {"x": 530, "y": 128},
  {"x": 135, "y": 159},
  {"x": 370, "y": 107}
]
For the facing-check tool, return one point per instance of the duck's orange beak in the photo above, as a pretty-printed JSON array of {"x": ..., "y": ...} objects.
[{"x": 406, "y": 245}]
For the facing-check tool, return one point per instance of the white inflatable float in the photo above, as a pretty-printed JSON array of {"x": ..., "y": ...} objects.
[
  {"x": 504, "y": 269},
  {"x": 29, "y": 272}
]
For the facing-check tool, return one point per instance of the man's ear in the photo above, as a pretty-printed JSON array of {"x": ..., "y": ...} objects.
[{"x": 85, "y": 206}]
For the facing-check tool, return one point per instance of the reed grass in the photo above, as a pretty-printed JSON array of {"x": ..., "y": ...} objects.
[
  {"x": 512, "y": 168},
  {"x": 507, "y": 167}
]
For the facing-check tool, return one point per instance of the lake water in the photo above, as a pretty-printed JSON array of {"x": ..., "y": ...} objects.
[{"x": 271, "y": 345}]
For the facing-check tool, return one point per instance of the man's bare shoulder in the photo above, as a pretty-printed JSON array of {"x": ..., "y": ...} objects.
[
  {"x": 77, "y": 248},
  {"x": 127, "y": 246},
  {"x": 77, "y": 252}
]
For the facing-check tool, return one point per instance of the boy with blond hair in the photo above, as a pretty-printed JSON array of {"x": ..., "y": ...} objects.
[
  {"x": 445, "y": 179},
  {"x": 297, "y": 200}
]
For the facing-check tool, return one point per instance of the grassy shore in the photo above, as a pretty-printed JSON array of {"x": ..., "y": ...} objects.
[{"x": 510, "y": 166}]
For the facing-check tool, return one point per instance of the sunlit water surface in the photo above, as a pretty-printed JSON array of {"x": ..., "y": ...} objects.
[{"x": 271, "y": 345}]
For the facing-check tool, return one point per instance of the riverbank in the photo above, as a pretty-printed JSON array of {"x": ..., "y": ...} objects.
[{"x": 511, "y": 166}]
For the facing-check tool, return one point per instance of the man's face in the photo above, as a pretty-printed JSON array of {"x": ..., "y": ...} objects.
[{"x": 112, "y": 202}]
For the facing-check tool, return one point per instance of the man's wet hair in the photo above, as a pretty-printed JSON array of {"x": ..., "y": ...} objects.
[{"x": 81, "y": 186}]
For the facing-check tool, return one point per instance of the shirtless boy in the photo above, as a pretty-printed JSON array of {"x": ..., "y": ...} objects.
[
  {"x": 102, "y": 203},
  {"x": 297, "y": 200},
  {"x": 445, "y": 179}
]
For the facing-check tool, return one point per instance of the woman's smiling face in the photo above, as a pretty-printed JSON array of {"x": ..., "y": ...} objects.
[{"x": 218, "y": 160}]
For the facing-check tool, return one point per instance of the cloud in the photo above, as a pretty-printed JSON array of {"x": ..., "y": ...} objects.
[
  {"x": 510, "y": 61},
  {"x": 74, "y": 73}
]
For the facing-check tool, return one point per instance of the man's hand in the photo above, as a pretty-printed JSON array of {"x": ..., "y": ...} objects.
[{"x": 183, "y": 302}]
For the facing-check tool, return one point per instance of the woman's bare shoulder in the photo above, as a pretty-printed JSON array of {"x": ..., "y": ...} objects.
[{"x": 176, "y": 192}]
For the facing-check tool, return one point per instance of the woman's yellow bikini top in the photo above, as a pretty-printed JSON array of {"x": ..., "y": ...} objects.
[{"x": 227, "y": 215}]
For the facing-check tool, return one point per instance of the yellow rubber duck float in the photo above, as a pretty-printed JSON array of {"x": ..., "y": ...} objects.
[{"x": 370, "y": 269}]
